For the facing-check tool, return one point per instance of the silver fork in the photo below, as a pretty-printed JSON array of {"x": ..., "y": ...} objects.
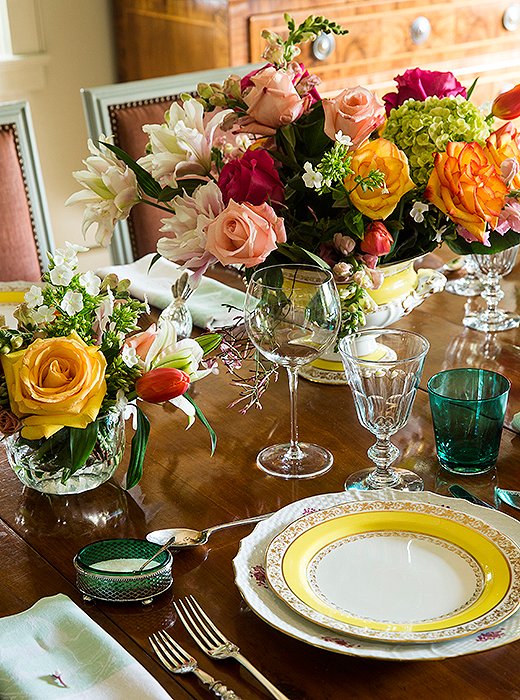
[
  {"x": 213, "y": 643},
  {"x": 176, "y": 660}
]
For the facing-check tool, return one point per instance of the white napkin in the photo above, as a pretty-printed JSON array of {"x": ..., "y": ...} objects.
[
  {"x": 205, "y": 304},
  {"x": 55, "y": 635}
]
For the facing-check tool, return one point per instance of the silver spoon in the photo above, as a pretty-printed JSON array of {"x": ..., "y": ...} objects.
[
  {"x": 180, "y": 537},
  {"x": 510, "y": 498}
]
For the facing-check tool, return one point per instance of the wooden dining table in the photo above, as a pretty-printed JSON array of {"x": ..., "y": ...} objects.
[{"x": 183, "y": 485}]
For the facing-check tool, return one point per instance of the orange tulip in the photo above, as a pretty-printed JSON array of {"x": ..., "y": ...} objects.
[
  {"x": 162, "y": 384},
  {"x": 467, "y": 187},
  {"x": 504, "y": 144},
  {"x": 507, "y": 104}
]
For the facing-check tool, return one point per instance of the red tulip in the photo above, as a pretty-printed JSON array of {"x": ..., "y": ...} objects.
[
  {"x": 377, "y": 240},
  {"x": 507, "y": 104},
  {"x": 162, "y": 384}
]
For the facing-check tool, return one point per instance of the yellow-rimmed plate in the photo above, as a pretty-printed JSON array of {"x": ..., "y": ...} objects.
[{"x": 396, "y": 571}]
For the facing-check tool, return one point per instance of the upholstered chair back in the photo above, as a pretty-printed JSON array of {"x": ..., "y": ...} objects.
[{"x": 25, "y": 235}]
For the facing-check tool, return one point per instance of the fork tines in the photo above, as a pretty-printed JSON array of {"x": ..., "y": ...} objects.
[
  {"x": 168, "y": 650},
  {"x": 201, "y": 628}
]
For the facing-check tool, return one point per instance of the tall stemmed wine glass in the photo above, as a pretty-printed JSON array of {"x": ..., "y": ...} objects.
[
  {"x": 469, "y": 285},
  {"x": 493, "y": 267},
  {"x": 292, "y": 315},
  {"x": 383, "y": 368}
]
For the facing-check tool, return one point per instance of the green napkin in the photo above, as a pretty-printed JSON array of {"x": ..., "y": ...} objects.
[
  {"x": 208, "y": 303},
  {"x": 56, "y": 637}
]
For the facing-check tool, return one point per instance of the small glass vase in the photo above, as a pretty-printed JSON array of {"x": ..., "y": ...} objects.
[{"x": 45, "y": 464}]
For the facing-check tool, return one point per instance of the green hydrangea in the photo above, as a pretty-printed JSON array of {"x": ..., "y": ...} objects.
[{"x": 421, "y": 128}]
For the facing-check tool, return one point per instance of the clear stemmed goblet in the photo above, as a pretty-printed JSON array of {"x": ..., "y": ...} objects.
[
  {"x": 292, "y": 315},
  {"x": 383, "y": 368},
  {"x": 493, "y": 267},
  {"x": 469, "y": 285}
]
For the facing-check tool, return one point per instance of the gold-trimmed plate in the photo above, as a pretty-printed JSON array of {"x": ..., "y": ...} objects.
[{"x": 396, "y": 571}]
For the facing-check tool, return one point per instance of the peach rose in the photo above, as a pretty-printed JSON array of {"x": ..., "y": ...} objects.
[
  {"x": 272, "y": 102},
  {"x": 356, "y": 112},
  {"x": 384, "y": 156},
  {"x": 245, "y": 234},
  {"x": 53, "y": 383},
  {"x": 142, "y": 342},
  {"x": 502, "y": 145},
  {"x": 467, "y": 187}
]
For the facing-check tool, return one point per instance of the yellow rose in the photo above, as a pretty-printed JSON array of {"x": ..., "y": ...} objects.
[
  {"x": 466, "y": 186},
  {"x": 55, "y": 382},
  {"x": 382, "y": 155}
]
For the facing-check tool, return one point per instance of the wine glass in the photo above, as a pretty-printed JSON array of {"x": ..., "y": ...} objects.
[
  {"x": 469, "y": 285},
  {"x": 493, "y": 267},
  {"x": 292, "y": 315},
  {"x": 384, "y": 367}
]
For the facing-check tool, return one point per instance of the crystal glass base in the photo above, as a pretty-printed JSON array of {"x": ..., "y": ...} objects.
[
  {"x": 44, "y": 465},
  {"x": 308, "y": 461},
  {"x": 491, "y": 323},
  {"x": 365, "y": 480},
  {"x": 468, "y": 286}
]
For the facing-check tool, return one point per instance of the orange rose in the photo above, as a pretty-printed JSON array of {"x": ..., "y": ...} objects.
[
  {"x": 466, "y": 186},
  {"x": 502, "y": 144},
  {"x": 382, "y": 155}
]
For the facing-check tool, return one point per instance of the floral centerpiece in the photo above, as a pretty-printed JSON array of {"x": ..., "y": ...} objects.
[
  {"x": 262, "y": 169},
  {"x": 75, "y": 365}
]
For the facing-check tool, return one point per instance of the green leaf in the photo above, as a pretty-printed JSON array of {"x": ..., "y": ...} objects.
[
  {"x": 469, "y": 92},
  {"x": 138, "y": 450},
  {"x": 209, "y": 342},
  {"x": 296, "y": 253},
  {"x": 81, "y": 442},
  {"x": 147, "y": 183},
  {"x": 155, "y": 258},
  {"x": 205, "y": 422},
  {"x": 498, "y": 244}
]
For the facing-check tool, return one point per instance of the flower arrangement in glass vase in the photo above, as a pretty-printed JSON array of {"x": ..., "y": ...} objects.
[
  {"x": 76, "y": 366},
  {"x": 262, "y": 170}
]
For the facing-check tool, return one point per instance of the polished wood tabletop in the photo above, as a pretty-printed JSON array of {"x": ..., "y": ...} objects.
[{"x": 184, "y": 486}]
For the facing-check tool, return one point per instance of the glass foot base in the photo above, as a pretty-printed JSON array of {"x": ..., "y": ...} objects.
[
  {"x": 311, "y": 460},
  {"x": 501, "y": 321},
  {"x": 364, "y": 481},
  {"x": 464, "y": 286}
]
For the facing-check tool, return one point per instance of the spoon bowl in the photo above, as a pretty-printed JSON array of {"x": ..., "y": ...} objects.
[
  {"x": 509, "y": 497},
  {"x": 184, "y": 537}
]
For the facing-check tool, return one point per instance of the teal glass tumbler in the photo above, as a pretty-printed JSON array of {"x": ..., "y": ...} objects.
[{"x": 468, "y": 407}]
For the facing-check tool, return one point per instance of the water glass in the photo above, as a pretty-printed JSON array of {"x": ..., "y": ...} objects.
[{"x": 468, "y": 408}]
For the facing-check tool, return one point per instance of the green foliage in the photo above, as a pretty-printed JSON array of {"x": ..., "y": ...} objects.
[
  {"x": 138, "y": 450},
  {"x": 204, "y": 421}
]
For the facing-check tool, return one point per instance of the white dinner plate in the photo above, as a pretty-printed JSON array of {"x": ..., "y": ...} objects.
[
  {"x": 250, "y": 577},
  {"x": 396, "y": 571}
]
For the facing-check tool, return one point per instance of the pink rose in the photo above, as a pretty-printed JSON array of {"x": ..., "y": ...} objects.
[
  {"x": 142, "y": 342},
  {"x": 272, "y": 102},
  {"x": 245, "y": 234},
  {"x": 356, "y": 112},
  {"x": 304, "y": 82},
  {"x": 377, "y": 240},
  {"x": 418, "y": 84},
  {"x": 509, "y": 217},
  {"x": 252, "y": 178}
]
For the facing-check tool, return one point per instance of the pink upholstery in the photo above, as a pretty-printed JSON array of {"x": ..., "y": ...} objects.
[
  {"x": 19, "y": 258},
  {"x": 127, "y": 122}
]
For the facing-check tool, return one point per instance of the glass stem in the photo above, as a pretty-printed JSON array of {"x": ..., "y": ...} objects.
[
  {"x": 383, "y": 453},
  {"x": 294, "y": 450},
  {"x": 492, "y": 293}
]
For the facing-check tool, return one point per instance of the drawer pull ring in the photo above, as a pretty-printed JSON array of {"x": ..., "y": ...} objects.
[
  {"x": 420, "y": 30},
  {"x": 511, "y": 17},
  {"x": 323, "y": 46}
]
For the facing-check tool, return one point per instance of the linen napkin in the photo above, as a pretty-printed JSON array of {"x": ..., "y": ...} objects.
[
  {"x": 55, "y": 635},
  {"x": 206, "y": 303}
]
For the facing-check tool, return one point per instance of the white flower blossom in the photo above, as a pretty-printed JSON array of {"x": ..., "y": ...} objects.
[
  {"x": 343, "y": 139},
  {"x": 103, "y": 313},
  {"x": 44, "y": 314},
  {"x": 129, "y": 356},
  {"x": 312, "y": 178},
  {"x": 33, "y": 297},
  {"x": 72, "y": 302},
  {"x": 418, "y": 210},
  {"x": 182, "y": 146},
  {"x": 68, "y": 255},
  {"x": 110, "y": 191},
  {"x": 91, "y": 282},
  {"x": 440, "y": 233},
  {"x": 61, "y": 275}
]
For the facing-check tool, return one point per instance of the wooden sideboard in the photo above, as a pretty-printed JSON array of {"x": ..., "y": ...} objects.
[{"x": 469, "y": 37}]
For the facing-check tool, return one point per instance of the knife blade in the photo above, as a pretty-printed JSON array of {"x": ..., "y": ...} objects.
[{"x": 460, "y": 492}]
